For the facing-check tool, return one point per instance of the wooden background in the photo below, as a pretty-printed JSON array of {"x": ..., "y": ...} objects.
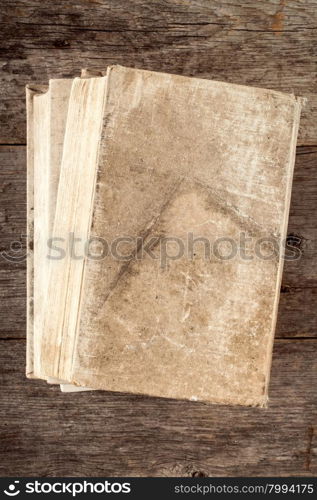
[{"x": 268, "y": 43}]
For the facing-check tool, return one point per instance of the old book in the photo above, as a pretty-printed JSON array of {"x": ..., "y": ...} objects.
[
  {"x": 47, "y": 107},
  {"x": 181, "y": 186},
  {"x": 46, "y": 120}
]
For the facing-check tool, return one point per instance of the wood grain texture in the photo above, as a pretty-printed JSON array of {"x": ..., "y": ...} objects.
[
  {"x": 268, "y": 44},
  {"x": 297, "y": 316},
  {"x": 47, "y": 433},
  {"x": 12, "y": 241},
  {"x": 265, "y": 44}
]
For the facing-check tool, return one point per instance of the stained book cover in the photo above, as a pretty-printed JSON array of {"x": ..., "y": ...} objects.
[{"x": 188, "y": 208}]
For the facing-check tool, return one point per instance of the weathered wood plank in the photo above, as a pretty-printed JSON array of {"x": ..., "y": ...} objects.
[
  {"x": 297, "y": 312},
  {"x": 12, "y": 193},
  {"x": 297, "y": 315},
  {"x": 13, "y": 303},
  {"x": 44, "y": 432},
  {"x": 12, "y": 241},
  {"x": 302, "y": 227},
  {"x": 267, "y": 44}
]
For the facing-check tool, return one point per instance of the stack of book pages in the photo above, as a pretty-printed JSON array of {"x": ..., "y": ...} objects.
[{"x": 157, "y": 214}]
